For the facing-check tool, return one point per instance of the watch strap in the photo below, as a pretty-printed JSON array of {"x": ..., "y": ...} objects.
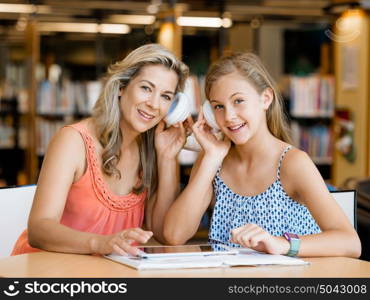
[
  {"x": 294, "y": 247},
  {"x": 294, "y": 242}
]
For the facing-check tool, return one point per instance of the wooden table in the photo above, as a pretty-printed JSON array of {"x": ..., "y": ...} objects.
[{"x": 50, "y": 264}]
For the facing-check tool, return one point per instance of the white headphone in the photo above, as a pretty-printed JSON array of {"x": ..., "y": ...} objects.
[
  {"x": 180, "y": 110},
  {"x": 209, "y": 115}
]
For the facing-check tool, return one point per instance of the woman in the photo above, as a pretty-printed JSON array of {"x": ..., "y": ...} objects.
[{"x": 99, "y": 174}]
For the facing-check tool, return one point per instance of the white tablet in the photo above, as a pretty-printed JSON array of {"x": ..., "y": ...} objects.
[{"x": 185, "y": 250}]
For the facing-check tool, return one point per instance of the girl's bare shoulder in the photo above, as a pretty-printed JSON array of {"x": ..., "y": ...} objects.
[
  {"x": 295, "y": 159},
  {"x": 297, "y": 167}
]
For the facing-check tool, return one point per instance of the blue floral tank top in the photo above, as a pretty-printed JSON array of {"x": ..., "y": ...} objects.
[{"x": 273, "y": 210}]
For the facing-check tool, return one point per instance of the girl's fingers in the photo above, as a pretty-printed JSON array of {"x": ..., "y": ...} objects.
[
  {"x": 241, "y": 233},
  {"x": 247, "y": 238},
  {"x": 255, "y": 239},
  {"x": 199, "y": 124},
  {"x": 243, "y": 237},
  {"x": 200, "y": 115},
  {"x": 237, "y": 230}
]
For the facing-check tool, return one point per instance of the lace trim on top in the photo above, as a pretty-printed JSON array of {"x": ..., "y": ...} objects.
[{"x": 102, "y": 191}]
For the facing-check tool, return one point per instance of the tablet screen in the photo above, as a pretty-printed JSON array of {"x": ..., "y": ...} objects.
[{"x": 184, "y": 249}]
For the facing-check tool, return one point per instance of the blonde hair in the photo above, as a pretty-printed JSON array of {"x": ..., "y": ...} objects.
[
  {"x": 107, "y": 115},
  {"x": 252, "y": 69}
]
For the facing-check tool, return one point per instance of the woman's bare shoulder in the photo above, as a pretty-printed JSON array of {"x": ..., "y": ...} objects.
[{"x": 67, "y": 144}]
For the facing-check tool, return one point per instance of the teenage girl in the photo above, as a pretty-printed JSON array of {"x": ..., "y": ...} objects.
[{"x": 267, "y": 195}]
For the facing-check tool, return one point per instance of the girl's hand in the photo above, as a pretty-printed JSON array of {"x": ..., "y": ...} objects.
[
  {"x": 254, "y": 237},
  {"x": 122, "y": 242},
  {"x": 169, "y": 141},
  {"x": 210, "y": 144}
]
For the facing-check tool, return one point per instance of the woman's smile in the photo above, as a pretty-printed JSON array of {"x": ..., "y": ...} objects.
[{"x": 146, "y": 116}]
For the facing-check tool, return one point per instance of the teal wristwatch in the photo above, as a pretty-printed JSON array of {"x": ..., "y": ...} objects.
[{"x": 294, "y": 241}]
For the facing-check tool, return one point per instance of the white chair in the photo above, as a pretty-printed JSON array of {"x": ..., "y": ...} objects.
[
  {"x": 15, "y": 206},
  {"x": 347, "y": 201}
]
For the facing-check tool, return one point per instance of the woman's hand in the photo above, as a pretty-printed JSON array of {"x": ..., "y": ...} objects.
[
  {"x": 254, "y": 237},
  {"x": 169, "y": 141},
  {"x": 217, "y": 148},
  {"x": 122, "y": 242}
]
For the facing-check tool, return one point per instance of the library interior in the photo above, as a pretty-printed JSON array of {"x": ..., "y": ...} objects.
[{"x": 54, "y": 53}]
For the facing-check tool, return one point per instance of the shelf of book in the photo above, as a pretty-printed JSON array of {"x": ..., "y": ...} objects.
[{"x": 311, "y": 112}]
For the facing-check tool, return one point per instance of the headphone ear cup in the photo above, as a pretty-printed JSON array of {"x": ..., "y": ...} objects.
[
  {"x": 209, "y": 115},
  {"x": 192, "y": 144},
  {"x": 179, "y": 109}
]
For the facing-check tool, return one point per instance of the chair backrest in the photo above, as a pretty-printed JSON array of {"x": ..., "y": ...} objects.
[
  {"x": 15, "y": 206},
  {"x": 347, "y": 201}
]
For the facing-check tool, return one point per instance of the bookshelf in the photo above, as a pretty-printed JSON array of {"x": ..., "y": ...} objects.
[
  {"x": 12, "y": 156},
  {"x": 12, "y": 119},
  {"x": 311, "y": 111},
  {"x": 62, "y": 102}
]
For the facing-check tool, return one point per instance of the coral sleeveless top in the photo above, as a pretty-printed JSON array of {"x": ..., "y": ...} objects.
[{"x": 91, "y": 206}]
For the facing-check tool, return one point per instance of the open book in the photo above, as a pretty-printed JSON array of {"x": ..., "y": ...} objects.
[{"x": 244, "y": 257}]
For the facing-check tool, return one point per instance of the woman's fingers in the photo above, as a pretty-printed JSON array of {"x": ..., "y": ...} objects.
[
  {"x": 188, "y": 124},
  {"x": 182, "y": 129},
  {"x": 138, "y": 235},
  {"x": 226, "y": 139},
  {"x": 125, "y": 248},
  {"x": 117, "y": 249},
  {"x": 160, "y": 127},
  {"x": 189, "y": 121},
  {"x": 126, "y": 238}
]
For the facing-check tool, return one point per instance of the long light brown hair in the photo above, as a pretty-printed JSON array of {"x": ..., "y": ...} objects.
[
  {"x": 107, "y": 115},
  {"x": 251, "y": 68}
]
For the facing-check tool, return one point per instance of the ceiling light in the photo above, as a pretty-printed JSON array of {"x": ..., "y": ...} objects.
[
  {"x": 23, "y": 8},
  {"x": 152, "y": 9},
  {"x": 204, "y": 22},
  {"x": 84, "y": 27},
  {"x": 114, "y": 28},
  {"x": 227, "y": 22},
  {"x": 132, "y": 19}
]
